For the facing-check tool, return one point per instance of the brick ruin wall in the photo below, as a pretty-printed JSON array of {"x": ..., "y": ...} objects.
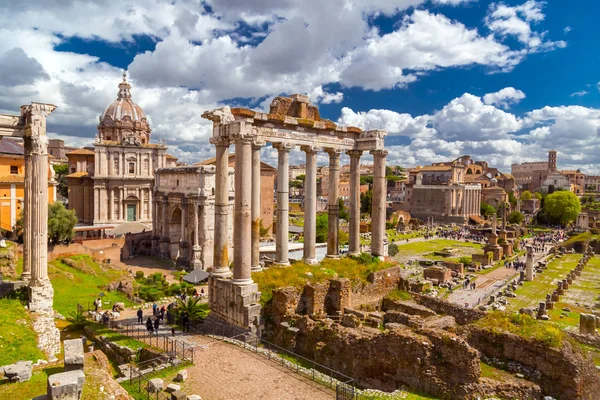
[{"x": 462, "y": 315}]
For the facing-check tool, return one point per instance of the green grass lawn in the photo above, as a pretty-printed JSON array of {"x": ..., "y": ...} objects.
[
  {"x": 167, "y": 375},
  {"x": 394, "y": 235},
  {"x": 430, "y": 246},
  {"x": 82, "y": 285},
  {"x": 116, "y": 337},
  {"x": 17, "y": 339}
]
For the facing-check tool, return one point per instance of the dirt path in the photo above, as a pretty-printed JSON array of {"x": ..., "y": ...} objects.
[{"x": 224, "y": 371}]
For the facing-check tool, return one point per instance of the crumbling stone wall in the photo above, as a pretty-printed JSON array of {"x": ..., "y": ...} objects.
[
  {"x": 462, "y": 315},
  {"x": 565, "y": 373},
  {"x": 8, "y": 262},
  {"x": 380, "y": 283},
  {"x": 117, "y": 353}
]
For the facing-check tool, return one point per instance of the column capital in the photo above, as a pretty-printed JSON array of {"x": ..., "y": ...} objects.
[
  {"x": 242, "y": 137},
  {"x": 309, "y": 148},
  {"x": 379, "y": 153},
  {"x": 354, "y": 153},
  {"x": 333, "y": 152},
  {"x": 257, "y": 144},
  {"x": 283, "y": 146},
  {"x": 220, "y": 141}
]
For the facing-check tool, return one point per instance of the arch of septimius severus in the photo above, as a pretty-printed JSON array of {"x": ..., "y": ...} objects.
[
  {"x": 31, "y": 126},
  {"x": 291, "y": 122}
]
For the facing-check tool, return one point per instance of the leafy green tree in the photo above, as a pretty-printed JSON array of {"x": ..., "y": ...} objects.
[
  {"x": 562, "y": 207},
  {"x": 193, "y": 308},
  {"x": 322, "y": 228},
  {"x": 61, "y": 171},
  {"x": 366, "y": 180},
  {"x": 60, "y": 222},
  {"x": 297, "y": 184},
  {"x": 393, "y": 249},
  {"x": 512, "y": 199},
  {"x": 366, "y": 202},
  {"x": 515, "y": 217},
  {"x": 301, "y": 177},
  {"x": 538, "y": 195},
  {"x": 343, "y": 211},
  {"x": 487, "y": 210},
  {"x": 526, "y": 195}
]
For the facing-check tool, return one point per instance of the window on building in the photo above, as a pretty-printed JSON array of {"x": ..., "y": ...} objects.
[
  {"x": 73, "y": 169},
  {"x": 14, "y": 169},
  {"x": 132, "y": 168}
]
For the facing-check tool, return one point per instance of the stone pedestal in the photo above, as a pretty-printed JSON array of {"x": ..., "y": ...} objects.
[
  {"x": 235, "y": 304},
  {"x": 74, "y": 354},
  {"x": 587, "y": 324},
  {"x": 66, "y": 385},
  {"x": 41, "y": 297}
]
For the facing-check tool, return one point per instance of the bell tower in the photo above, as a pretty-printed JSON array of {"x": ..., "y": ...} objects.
[{"x": 552, "y": 160}]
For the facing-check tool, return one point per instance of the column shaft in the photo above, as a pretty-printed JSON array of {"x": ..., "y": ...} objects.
[
  {"x": 282, "y": 234},
  {"x": 221, "y": 244},
  {"x": 379, "y": 203},
  {"x": 256, "y": 206},
  {"x": 242, "y": 250},
  {"x": 184, "y": 210},
  {"x": 333, "y": 220},
  {"x": 310, "y": 205},
  {"x": 354, "y": 236},
  {"x": 39, "y": 212},
  {"x": 28, "y": 200}
]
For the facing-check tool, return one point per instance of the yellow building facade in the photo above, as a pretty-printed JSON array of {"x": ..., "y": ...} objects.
[{"x": 12, "y": 182}]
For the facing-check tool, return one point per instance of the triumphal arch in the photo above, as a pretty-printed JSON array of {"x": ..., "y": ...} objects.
[{"x": 291, "y": 122}]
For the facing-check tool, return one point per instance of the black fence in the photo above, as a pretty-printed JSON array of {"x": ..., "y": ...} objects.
[{"x": 140, "y": 375}]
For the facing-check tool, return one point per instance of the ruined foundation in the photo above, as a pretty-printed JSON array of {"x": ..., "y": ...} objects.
[{"x": 235, "y": 304}]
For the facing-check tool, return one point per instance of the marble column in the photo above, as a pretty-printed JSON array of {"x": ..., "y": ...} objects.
[
  {"x": 28, "y": 200},
  {"x": 110, "y": 210},
  {"x": 333, "y": 208},
  {"x": 242, "y": 231},
  {"x": 310, "y": 205},
  {"x": 256, "y": 205},
  {"x": 379, "y": 204},
  {"x": 122, "y": 204},
  {"x": 354, "y": 236},
  {"x": 197, "y": 250},
  {"x": 282, "y": 234},
  {"x": 221, "y": 244},
  {"x": 164, "y": 240}
]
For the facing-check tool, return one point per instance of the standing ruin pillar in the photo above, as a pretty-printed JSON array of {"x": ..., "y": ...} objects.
[
  {"x": 221, "y": 244},
  {"x": 310, "y": 205},
  {"x": 256, "y": 205},
  {"x": 379, "y": 204},
  {"x": 183, "y": 241},
  {"x": 283, "y": 203},
  {"x": 354, "y": 235},
  {"x": 242, "y": 231},
  {"x": 529, "y": 264},
  {"x": 196, "y": 249},
  {"x": 333, "y": 209},
  {"x": 28, "y": 200}
]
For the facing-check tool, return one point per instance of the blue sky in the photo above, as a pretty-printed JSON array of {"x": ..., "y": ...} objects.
[{"x": 502, "y": 81}]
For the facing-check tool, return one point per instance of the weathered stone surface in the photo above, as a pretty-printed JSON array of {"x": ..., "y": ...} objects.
[
  {"x": 19, "y": 371},
  {"x": 74, "y": 354},
  {"x": 48, "y": 335},
  {"x": 171, "y": 387},
  {"x": 407, "y": 307},
  {"x": 181, "y": 376},
  {"x": 156, "y": 385},
  {"x": 66, "y": 385},
  {"x": 461, "y": 314},
  {"x": 350, "y": 321},
  {"x": 178, "y": 395},
  {"x": 194, "y": 397}
]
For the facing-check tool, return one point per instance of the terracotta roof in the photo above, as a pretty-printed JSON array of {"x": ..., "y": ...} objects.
[
  {"x": 12, "y": 178},
  {"x": 434, "y": 168},
  {"x": 170, "y": 157},
  {"x": 78, "y": 174},
  {"x": 82, "y": 152},
  {"x": 569, "y": 171},
  {"x": 11, "y": 146}
]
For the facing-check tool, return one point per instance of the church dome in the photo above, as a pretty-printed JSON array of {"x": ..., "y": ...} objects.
[
  {"x": 123, "y": 121},
  {"x": 123, "y": 106}
]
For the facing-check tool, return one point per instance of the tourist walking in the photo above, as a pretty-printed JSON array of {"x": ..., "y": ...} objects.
[
  {"x": 156, "y": 324},
  {"x": 154, "y": 307},
  {"x": 149, "y": 326},
  {"x": 140, "y": 315}
]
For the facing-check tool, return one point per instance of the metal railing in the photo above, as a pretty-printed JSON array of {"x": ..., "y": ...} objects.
[
  {"x": 139, "y": 380},
  {"x": 343, "y": 385}
]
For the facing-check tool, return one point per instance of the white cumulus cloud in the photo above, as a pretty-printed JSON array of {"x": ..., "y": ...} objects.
[{"x": 504, "y": 97}]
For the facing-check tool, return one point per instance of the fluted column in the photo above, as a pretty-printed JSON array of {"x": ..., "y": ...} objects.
[
  {"x": 333, "y": 209},
  {"x": 379, "y": 203},
  {"x": 242, "y": 231},
  {"x": 310, "y": 205},
  {"x": 221, "y": 244},
  {"x": 354, "y": 236},
  {"x": 28, "y": 200},
  {"x": 283, "y": 203},
  {"x": 256, "y": 205}
]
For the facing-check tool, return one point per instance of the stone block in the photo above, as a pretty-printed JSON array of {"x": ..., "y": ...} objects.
[
  {"x": 194, "y": 397},
  {"x": 178, "y": 395},
  {"x": 181, "y": 376},
  {"x": 171, "y": 387},
  {"x": 19, "y": 371},
  {"x": 156, "y": 385},
  {"x": 74, "y": 354},
  {"x": 66, "y": 385}
]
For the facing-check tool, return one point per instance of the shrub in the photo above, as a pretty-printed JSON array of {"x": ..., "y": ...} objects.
[
  {"x": 524, "y": 326},
  {"x": 365, "y": 259},
  {"x": 393, "y": 249},
  {"x": 139, "y": 275},
  {"x": 465, "y": 260}
]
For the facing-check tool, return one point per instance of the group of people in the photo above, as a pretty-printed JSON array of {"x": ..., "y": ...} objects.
[
  {"x": 158, "y": 317},
  {"x": 468, "y": 284}
]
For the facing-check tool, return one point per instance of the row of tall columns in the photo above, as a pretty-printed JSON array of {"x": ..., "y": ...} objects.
[{"x": 333, "y": 212}]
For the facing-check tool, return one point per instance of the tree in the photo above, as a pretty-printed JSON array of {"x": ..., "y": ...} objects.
[
  {"x": 60, "y": 223},
  {"x": 526, "y": 195},
  {"x": 562, "y": 207},
  {"x": 301, "y": 177},
  {"x": 192, "y": 308},
  {"x": 515, "y": 217},
  {"x": 512, "y": 199},
  {"x": 61, "y": 171},
  {"x": 393, "y": 249},
  {"x": 366, "y": 202},
  {"x": 322, "y": 228},
  {"x": 538, "y": 195},
  {"x": 297, "y": 184},
  {"x": 343, "y": 211},
  {"x": 366, "y": 180},
  {"x": 487, "y": 210}
]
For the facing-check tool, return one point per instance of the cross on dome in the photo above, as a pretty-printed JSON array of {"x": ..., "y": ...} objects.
[{"x": 124, "y": 88}]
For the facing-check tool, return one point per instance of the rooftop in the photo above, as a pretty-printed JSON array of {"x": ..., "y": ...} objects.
[
  {"x": 77, "y": 174},
  {"x": 81, "y": 152}
]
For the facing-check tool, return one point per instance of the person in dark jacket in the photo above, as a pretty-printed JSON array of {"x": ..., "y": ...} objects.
[
  {"x": 140, "y": 315},
  {"x": 149, "y": 326},
  {"x": 156, "y": 324}
]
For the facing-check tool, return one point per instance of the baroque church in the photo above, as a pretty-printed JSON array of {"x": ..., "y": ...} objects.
[{"x": 112, "y": 182}]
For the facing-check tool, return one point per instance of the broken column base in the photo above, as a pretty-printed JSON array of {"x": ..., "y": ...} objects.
[
  {"x": 235, "y": 304},
  {"x": 40, "y": 303},
  {"x": 40, "y": 297},
  {"x": 66, "y": 385}
]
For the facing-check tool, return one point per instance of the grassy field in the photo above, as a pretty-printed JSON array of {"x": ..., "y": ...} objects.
[
  {"x": 17, "y": 339},
  {"x": 429, "y": 246},
  {"x": 584, "y": 289},
  {"x": 300, "y": 273},
  {"x": 82, "y": 284},
  {"x": 394, "y": 235}
]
